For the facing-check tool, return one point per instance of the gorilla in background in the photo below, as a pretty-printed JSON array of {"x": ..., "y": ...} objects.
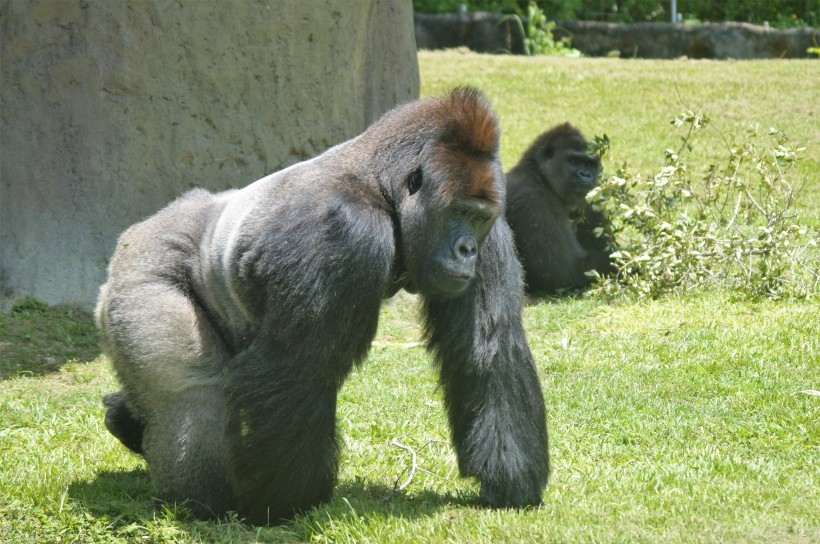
[
  {"x": 547, "y": 212},
  {"x": 232, "y": 319}
]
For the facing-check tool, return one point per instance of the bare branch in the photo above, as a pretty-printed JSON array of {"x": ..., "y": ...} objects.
[{"x": 396, "y": 487}]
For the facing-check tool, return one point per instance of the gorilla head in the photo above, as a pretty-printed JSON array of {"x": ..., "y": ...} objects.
[
  {"x": 560, "y": 158},
  {"x": 448, "y": 202}
]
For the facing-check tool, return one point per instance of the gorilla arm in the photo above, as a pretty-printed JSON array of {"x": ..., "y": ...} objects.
[
  {"x": 547, "y": 245},
  {"x": 491, "y": 389},
  {"x": 316, "y": 263}
]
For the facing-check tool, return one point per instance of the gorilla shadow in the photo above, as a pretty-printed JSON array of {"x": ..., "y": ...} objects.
[
  {"x": 365, "y": 498},
  {"x": 128, "y": 497},
  {"x": 122, "y": 496}
]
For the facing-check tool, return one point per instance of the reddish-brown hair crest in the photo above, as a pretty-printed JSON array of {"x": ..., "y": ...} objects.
[
  {"x": 468, "y": 147},
  {"x": 470, "y": 125}
]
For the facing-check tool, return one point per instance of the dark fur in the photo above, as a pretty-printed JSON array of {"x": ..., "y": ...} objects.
[
  {"x": 232, "y": 319},
  {"x": 546, "y": 209},
  {"x": 121, "y": 421}
]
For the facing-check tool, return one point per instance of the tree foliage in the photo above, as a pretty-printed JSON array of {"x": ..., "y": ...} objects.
[{"x": 780, "y": 13}]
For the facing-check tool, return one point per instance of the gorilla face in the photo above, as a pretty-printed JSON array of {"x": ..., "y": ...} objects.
[
  {"x": 455, "y": 242},
  {"x": 571, "y": 173},
  {"x": 442, "y": 232}
]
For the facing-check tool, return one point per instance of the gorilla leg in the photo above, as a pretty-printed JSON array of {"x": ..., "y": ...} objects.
[
  {"x": 184, "y": 446},
  {"x": 166, "y": 354},
  {"x": 491, "y": 388},
  {"x": 285, "y": 458}
]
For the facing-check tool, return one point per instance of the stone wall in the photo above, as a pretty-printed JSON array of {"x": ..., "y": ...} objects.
[
  {"x": 108, "y": 110},
  {"x": 702, "y": 41},
  {"x": 488, "y": 32},
  {"x": 479, "y": 31}
]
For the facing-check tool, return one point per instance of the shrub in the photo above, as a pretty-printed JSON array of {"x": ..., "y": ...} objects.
[
  {"x": 538, "y": 38},
  {"x": 735, "y": 226}
]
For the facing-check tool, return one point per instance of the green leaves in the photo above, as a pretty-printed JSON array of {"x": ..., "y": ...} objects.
[
  {"x": 736, "y": 227},
  {"x": 538, "y": 38}
]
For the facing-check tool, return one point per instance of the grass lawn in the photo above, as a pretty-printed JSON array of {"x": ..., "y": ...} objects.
[
  {"x": 685, "y": 419},
  {"x": 633, "y": 102}
]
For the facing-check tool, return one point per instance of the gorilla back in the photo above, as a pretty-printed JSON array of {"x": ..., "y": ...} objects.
[{"x": 232, "y": 319}]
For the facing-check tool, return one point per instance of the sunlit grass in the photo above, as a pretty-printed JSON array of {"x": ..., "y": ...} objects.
[
  {"x": 683, "y": 420},
  {"x": 633, "y": 101},
  {"x": 678, "y": 420}
]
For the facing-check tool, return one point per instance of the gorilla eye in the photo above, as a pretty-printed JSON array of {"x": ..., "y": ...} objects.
[{"x": 414, "y": 181}]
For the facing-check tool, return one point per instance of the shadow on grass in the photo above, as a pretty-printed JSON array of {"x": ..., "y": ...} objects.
[
  {"x": 364, "y": 499},
  {"x": 123, "y": 499},
  {"x": 356, "y": 504},
  {"x": 36, "y": 339}
]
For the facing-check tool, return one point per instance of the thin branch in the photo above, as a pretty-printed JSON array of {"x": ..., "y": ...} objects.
[
  {"x": 413, "y": 467},
  {"x": 396, "y": 487},
  {"x": 754, "y": 202}
]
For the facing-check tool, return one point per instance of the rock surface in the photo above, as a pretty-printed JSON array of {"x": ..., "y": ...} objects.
[
  {"x": 701, "y": 41},
  {"x": 492, "y": 33},
  {"x": 109, "y": 110}
]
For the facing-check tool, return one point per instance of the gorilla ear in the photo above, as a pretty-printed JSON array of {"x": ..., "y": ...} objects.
[{"x": 414, "y": 181}]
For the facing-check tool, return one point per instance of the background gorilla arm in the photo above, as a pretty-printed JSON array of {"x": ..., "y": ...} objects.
[
  {"x": 586, "y": 220},
  {"x": 491, "y": 388}
]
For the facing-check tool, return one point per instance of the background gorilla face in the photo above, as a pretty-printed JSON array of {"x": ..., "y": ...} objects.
[{"x": 571, "y": 173}]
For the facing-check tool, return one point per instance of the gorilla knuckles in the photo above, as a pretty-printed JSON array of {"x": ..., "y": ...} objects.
[
  {"x": 549, "y": 183},
  {"x": 233, "y": 318}
]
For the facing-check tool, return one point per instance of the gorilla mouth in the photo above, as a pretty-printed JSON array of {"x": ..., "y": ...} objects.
[
  {"x": 452, "y": 282},
  {"x": 582, "y": 190}
]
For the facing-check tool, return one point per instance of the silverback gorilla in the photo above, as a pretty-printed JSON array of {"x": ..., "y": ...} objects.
[
  {"x": 544, "y": 189},
  {"x": 232, "y": 319}
]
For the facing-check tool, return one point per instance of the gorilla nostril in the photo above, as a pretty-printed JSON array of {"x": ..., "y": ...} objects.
[{"x": 466, "y": 248}]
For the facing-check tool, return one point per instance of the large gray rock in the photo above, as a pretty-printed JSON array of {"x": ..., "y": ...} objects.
[{"x": 108, "y": 110}]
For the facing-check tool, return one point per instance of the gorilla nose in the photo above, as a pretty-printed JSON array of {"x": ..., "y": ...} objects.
[{"x": 466, "y": 249}]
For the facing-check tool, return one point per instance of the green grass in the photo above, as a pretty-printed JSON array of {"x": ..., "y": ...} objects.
[
  {"x": 36, "y": 339},
  {"x": 633, "y": 101},
  {"x": 675, "y": 420}
]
